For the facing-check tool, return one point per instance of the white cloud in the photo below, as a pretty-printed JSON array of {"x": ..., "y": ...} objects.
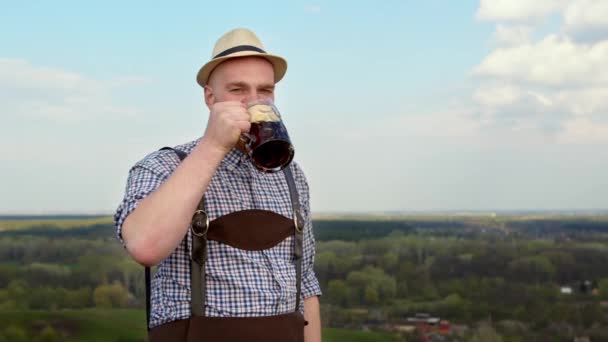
[
  {"x": 19, "y": 73},
  {"x": 512, "y": 35},
  {"x": 561, "y": 115},
  {"x": 31, "y": 91},
  {"x": 556, "y": 86},
  {"x": 587, "y": 19},
  {"x": 517, "y": 10},
  {"x": 517, "y": 108},
  {"x": 498, "y": 95},
  {"x": 554, "y": 61}
]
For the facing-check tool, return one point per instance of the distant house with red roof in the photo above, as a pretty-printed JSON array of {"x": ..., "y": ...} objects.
[{"x": 426, "y": 324}]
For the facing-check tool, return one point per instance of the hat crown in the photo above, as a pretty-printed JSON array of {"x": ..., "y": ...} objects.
[
  {"x": 236, "y": 37},
  {"x": 237, "y": 43}
]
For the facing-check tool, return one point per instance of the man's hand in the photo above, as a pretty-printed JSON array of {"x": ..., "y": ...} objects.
[
  {"x": 227, "y": 121},
  {"x": 312, "y": 332}
]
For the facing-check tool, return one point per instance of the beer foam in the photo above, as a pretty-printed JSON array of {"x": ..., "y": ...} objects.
[{"x": 262, "y": 113}]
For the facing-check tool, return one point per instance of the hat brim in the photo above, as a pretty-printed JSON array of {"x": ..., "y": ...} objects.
[{"x": 279, "y": 65}]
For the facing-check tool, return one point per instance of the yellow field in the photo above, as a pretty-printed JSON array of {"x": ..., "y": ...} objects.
[
  {"x": 488, "y": 220},
  {"x": 6, "y": 225}
]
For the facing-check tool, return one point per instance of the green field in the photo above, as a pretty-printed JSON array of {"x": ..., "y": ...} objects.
[
  {"x": 87, "y": 325},
  {"x": 339, "y": 335},
  {"x": 123, "y": 325}
]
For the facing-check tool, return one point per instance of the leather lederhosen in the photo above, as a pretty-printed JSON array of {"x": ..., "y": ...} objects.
[{"x": 251, "y": 230}]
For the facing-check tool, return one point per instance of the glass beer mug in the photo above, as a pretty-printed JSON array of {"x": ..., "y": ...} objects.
[{"x": 267, "y": 142}]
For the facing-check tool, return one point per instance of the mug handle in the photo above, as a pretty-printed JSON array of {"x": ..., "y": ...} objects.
[{"x": 246, "y": 138}]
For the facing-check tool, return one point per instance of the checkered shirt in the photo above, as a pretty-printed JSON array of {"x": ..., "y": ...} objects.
[{"x": 240, "y": 283}]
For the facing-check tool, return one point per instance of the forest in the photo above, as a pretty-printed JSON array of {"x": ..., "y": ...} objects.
[{"x": 484, "y": 277}]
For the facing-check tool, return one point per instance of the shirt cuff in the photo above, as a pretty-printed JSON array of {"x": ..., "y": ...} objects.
[
  {"x": 125, "y": 208},
  {"x": 310, "y": 285}
]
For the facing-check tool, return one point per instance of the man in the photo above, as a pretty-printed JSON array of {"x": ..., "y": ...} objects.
[{"x": 248, "y": 292}]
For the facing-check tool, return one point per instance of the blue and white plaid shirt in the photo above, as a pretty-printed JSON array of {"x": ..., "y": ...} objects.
[{"x": 239, "y": 283}]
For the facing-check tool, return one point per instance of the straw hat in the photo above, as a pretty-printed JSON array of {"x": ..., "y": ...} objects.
[{"x": 240, "y": 42}]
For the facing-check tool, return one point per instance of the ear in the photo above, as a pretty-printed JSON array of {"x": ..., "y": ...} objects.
[{"x": 209, "y": 96}]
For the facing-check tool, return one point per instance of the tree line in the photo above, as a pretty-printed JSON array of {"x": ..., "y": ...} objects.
[{"x": 371, "y": 271}]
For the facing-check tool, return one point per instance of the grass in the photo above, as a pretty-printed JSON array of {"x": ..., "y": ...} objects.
[
  {"x": 118, "y": 325},
  {"x": 339, "y": 335},
  {"x": 86, "y": 325}
]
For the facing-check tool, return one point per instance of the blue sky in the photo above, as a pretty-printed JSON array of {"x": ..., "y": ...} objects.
[{"x": 392, "y": 105}]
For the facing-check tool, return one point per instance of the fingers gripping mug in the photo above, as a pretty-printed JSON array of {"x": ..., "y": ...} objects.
[{"x": 267, "y": 142}]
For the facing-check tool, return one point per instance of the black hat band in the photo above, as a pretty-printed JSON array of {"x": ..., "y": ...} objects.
[{"x": 239, "y": 48}]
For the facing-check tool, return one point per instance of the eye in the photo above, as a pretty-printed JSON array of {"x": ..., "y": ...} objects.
[{"x": 235, "y": 90}]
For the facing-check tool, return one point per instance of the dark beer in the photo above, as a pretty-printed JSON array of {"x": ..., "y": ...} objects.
[{"x": 269, "y": 146}]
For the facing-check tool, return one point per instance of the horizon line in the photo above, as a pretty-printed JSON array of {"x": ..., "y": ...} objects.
[{"x": 355, "y": 212}]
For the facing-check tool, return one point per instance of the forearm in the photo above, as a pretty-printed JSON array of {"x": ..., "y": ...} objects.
[
  {"x": 312, "y": 314},
  {"x": 153, "y": 230}
]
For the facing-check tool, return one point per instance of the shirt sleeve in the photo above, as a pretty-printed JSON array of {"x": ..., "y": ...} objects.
[
  {"x": 310, "y": 283},
  {"x": 141, "y": 182}
]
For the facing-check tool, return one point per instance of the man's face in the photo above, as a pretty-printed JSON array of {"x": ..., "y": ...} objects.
[{"x": 241, "y": 79}]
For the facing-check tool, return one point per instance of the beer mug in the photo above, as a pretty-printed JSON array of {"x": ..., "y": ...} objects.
[{"x": 267, "y": 142}]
